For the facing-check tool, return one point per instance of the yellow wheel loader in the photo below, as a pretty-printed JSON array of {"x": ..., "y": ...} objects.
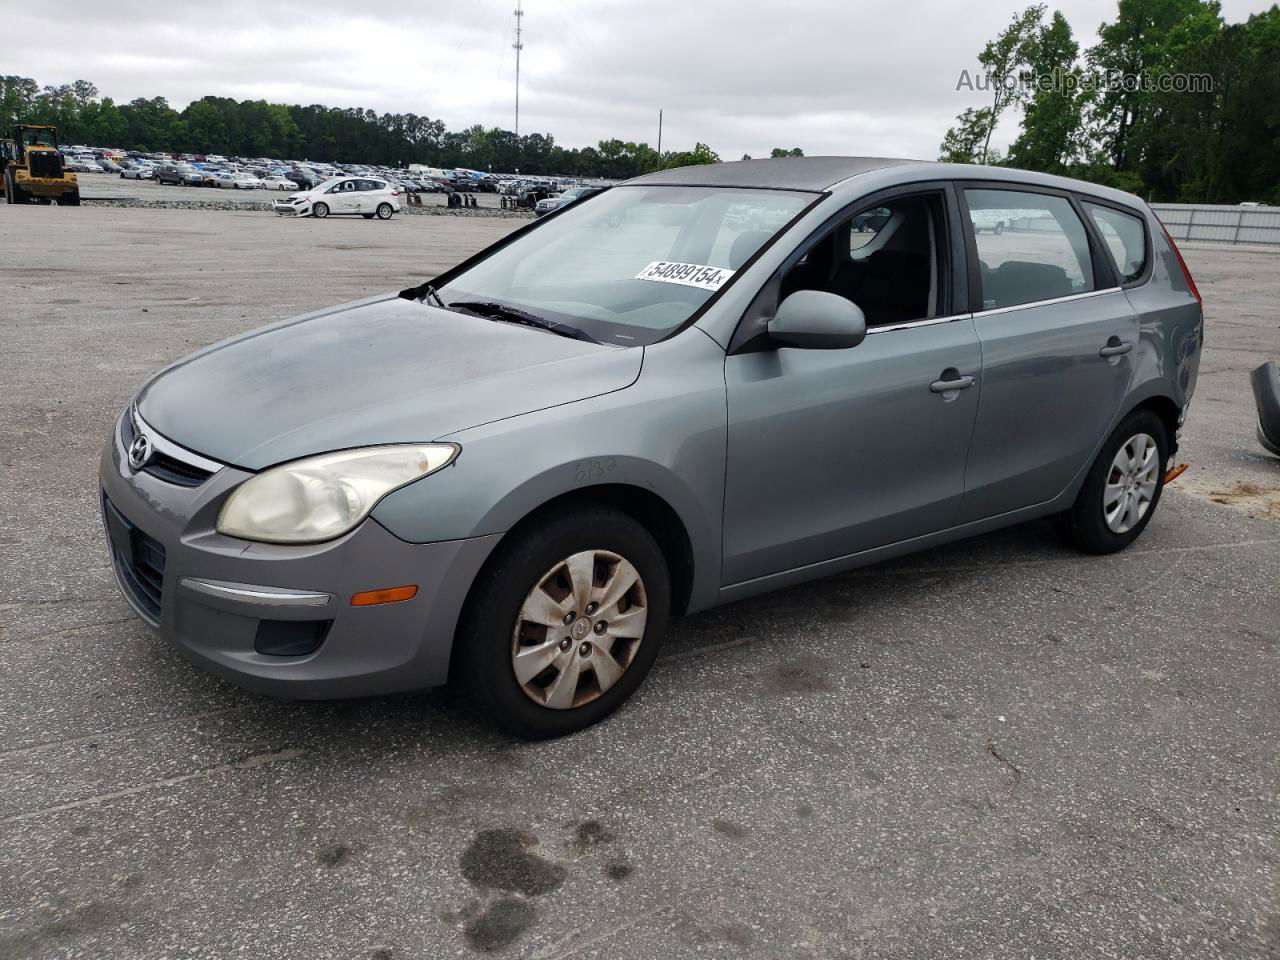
[{"x": 31, "y": 168}]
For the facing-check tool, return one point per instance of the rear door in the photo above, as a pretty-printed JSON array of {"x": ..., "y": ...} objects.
[{"x": 1057, "y": 335}]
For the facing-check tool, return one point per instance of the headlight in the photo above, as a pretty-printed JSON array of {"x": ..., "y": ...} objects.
[{"x": 323, "y": 497}]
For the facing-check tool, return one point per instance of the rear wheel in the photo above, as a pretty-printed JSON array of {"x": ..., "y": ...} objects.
[
  {"x": 71, "y": 199},
  {"x": 1122, "y": 488},
  {"x": 385, "y": 210},
  {"x": 320, "y": 210},
  {"x": 566, "y": 621}
]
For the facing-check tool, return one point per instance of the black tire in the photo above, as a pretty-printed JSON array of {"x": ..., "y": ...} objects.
[
  {"x": 1085, "y": 524},
  {"x": 999, "y": 228},
  {"x": 484, "y": 643},
  {"x": 319, "y": 210},
  {"x": 385, "y": 210},
  {"x": 71, "y": 199}
]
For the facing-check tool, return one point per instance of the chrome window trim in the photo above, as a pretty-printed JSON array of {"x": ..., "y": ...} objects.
[
  {"x": 1042, "y": 303},
  {"x": 928, "y": 322},
  {"x": 161, "y": 444},
  {"x": 250, "y": 593}
]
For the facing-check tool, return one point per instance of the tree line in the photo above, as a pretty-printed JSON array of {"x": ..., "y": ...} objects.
[
  {"x": 1171, "y": 102},
  {"x": 255, "y": 128}
]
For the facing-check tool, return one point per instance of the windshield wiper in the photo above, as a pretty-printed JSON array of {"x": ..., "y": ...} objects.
[
  {"x": 500, "y": 311},
  {"x": 430, "y": 293}
]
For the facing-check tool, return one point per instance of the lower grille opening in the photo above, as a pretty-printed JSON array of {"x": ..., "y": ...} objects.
[
  {"x": 138, "y": 558},
  {"x": 290, "y": 638}
]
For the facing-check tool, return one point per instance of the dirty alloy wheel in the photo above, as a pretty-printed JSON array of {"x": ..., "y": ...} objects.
[
  {"x": 563, "y": 624},
  {"x": 385, "y": 211},
  {"x": 1123, "y": 487},
  {"x": 320, "y": 210}
]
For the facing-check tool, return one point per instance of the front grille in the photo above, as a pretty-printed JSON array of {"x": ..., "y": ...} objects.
[
  {"x": 138, "y": 559},
  {"x": 45, "y": 163},
  {"x": 161, "y": 465}
]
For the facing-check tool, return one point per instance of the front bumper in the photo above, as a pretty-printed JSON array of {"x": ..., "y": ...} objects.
[
  {"x": 215, "y": 598},
  {"x": 286, "y": 209}
]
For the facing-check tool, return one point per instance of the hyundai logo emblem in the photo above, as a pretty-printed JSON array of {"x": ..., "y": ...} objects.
[{"x": 139, "y": 451}]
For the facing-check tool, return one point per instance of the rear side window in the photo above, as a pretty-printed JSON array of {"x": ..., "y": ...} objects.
[
  {"x": 1125, "y": 237},
  {"x": 1031, "y": 246}
]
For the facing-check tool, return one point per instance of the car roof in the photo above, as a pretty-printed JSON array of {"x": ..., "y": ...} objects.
[
  {"x": 783, "y": 173},
  {"x": 819, "y": 174}
]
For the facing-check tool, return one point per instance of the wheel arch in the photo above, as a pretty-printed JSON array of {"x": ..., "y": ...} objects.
[
  {"x": 646, "y": 507},
  {"x": 1163, "y": 406}
]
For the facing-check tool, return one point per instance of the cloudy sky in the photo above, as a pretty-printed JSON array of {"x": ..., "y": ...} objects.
[{"x": 831, "y": 77}]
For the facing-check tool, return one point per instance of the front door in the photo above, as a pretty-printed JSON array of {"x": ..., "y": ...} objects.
[
  {"x": 1056, "y": 335},
  {"x": 833, "y": 452}
]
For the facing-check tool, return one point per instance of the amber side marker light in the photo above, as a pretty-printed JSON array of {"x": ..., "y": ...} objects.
[
  {"x": 369, "y": 598},
  {"x": 1172, "y": 474}
]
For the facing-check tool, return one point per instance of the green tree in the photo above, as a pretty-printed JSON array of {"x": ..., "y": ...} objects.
[
  {"x": 1053, "y": 116},
  {"x": 1005, "y": 61}
]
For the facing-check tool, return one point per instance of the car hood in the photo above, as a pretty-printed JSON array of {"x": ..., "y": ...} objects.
[{"x": 383, "y": 370}]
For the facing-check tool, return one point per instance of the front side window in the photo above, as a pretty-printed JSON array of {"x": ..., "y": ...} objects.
[
  {"x": 1031, "y": 246},
  {"x": 632, "y": 264},
  {"x": 1125, "y": 237},
  {"x": 889, "y": 260}
]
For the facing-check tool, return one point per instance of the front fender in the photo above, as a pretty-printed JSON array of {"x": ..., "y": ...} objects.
[{"x": 664, "y": 434}]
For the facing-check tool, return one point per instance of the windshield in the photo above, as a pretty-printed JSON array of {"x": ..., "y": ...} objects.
[{"x": 633, "y": 264}]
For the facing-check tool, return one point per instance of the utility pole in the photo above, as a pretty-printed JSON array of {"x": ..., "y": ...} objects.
[
  {"x": 518, "y": 46},
  {"x": 659, "y": 136}
]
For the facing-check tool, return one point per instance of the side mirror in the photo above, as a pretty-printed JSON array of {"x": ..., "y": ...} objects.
[{"x": 814, "y": 320}]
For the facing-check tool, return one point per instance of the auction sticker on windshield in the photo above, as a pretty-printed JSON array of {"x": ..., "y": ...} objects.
[{"x": 688, "y": 274}]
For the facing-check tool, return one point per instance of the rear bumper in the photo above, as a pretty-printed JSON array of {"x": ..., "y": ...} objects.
[{"x": 210, "y": 596}]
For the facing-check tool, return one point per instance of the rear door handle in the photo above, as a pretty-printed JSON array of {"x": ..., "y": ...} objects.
[
  {"x": 1115, "y": 347},
  {"x": 956, "y": 383}
]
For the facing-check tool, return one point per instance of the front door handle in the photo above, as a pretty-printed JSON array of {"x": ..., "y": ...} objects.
[
  {"x": 955, "y": 383},
  {"x": 1115, "y": 347}
]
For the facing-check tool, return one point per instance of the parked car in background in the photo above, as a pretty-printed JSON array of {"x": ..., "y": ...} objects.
[
  {"x": 547, "y": 205},
  {"x": 365, "y": 196},
  {"x": 237, "y": 181},
  {"x": 276, "y": 183},
  {"x": 136, "y": 171}
]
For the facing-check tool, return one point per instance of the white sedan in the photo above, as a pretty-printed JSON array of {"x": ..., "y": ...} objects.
[
  {"x": 276, "y": 183},
  {"x": 238, "y": 181},
  {"x": 368, "y": 196},
  {"x": 139, "y": 171}
]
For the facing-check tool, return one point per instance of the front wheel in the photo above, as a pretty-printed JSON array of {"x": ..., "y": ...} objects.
[
  {"x": 1122, "y": 488},
  {"x": 320, "y": 211},
  {"x": 384, "y": 211},
  {"x": 71, "y": 199},
  {"x": 565, "y": 622}
]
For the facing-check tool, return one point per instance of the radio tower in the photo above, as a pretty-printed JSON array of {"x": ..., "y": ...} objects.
[{"x": 518, "y": 46}]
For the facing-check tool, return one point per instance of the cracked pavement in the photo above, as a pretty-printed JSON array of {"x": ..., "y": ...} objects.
[{"x": 999, "y": 748}]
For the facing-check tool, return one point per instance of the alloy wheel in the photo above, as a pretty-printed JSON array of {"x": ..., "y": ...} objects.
[
  {"x": 578, "y": 629},
  {"x": 1131, "y": 483}
]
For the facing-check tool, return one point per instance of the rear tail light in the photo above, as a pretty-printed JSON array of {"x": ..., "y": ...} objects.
[{"x": 1191, "y": 284}]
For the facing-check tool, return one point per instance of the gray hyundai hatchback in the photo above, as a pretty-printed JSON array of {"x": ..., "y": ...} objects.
[{"x": 699, "y": 385}]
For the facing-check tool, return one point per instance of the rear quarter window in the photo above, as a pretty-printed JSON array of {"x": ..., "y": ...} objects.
[{"x": 1125, "y": 237}]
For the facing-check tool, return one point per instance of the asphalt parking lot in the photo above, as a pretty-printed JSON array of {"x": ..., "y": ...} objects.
[{"x": 995, "y": 749}]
